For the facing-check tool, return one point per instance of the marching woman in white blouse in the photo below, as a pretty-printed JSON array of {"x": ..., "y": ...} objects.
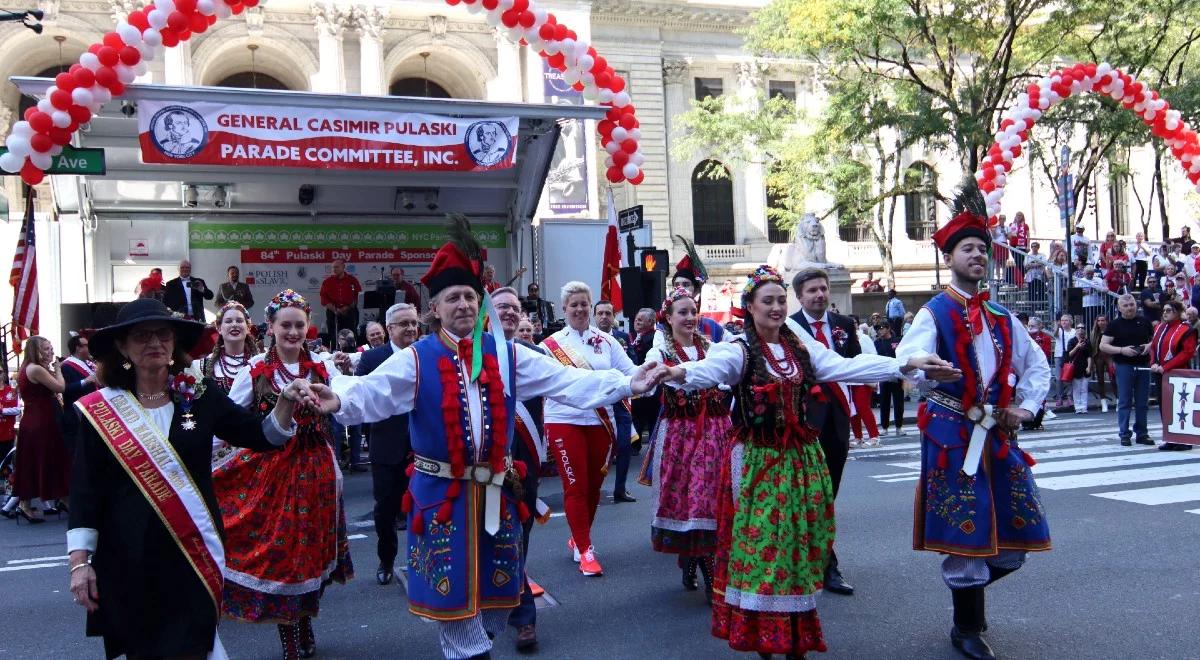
[{"x": 765, "y": 587}]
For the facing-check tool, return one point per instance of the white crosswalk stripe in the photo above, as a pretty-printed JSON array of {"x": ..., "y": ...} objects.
[{"x": 1080, "y": 455}]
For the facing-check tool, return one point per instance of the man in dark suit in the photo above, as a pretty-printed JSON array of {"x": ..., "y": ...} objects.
[
  {"x": 391, "y": 448},
  {"x": 186, "y": 294},
  {"x": 606, "y": 320},
  {"x": 831, "y": 417},
  {"x": 234, "y": 290},
  {"x": 79, "y": 373}
]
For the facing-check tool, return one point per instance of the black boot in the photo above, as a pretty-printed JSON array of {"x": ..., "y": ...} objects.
[
  {"x": 995, "y": 573},
  {"x": 706, "y": 569},
  {"x": 289, "y": 637},
  {"x": 687, "y": 565},
  {"x": 968, "y": 624},
  {"x": 834, "y": 581},
  {"x": 308, "y": 639}
]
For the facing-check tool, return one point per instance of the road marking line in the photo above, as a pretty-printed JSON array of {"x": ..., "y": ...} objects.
[
  {"x": 1158, "y": 495},
  {"x": 355, "y": 537},
  {"x": 897, "y": 474},
  {"x": 1193, "y": 511},
  {"x": 27, "y": 567},
  {"x": 37, "y": 559},
  {"x": 1111, "y": 461},
  {"x": 1096, "y": 443},
  {"x": 896, "y": 480},
  {"x": 1137, "y": 475}
]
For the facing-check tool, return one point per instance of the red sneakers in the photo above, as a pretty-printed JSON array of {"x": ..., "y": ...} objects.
[
  {"x": 588, "y": 564},
  {"x": 574, "y": 550}
]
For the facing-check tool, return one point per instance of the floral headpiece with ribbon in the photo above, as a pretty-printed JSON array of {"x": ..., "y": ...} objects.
[
  {"x": 678, "y": 294},
  {"x": 764, "y": 274},
  {"x": 284, "y": 299},
  {"x": 233, "y": 304}
]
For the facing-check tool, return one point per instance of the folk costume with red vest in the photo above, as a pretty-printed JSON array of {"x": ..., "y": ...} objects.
[
  {"x": 464, "y": 513},
  {"x": 976, "y": 499},
  {"x": 1173, "y": 345}
]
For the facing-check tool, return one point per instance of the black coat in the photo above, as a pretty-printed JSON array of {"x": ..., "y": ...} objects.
[
  {"x": 173, "y": 296},
  {"x": 815, "y": 410},
  {"x": 152, "y": 603},
  {"x": 390, "y": 441},
  {"x": 75, "y": 388}
]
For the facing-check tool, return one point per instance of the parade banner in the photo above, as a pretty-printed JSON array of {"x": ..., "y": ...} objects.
[
  {"x": 567, "y": 180},
  {"x": 323, "y": 138},
  {"x": 1180, "y": 407}
]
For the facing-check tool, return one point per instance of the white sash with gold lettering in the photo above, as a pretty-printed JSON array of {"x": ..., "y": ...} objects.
[{"x": 151, "y": 462}]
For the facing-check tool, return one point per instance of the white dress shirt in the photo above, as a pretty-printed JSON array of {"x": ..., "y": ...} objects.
[
  {"x": 607, "y": 354},
  {"x": 391, "y": 389},
  {"x": 185, "y": 282},
  {"x": 1030, "y": 371}
]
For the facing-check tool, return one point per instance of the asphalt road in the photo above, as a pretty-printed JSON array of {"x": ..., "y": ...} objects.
[{"x": 1121, "y": 582}]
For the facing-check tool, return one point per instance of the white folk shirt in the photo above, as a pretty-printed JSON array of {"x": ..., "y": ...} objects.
[
  {"x": 1030, "y": 371},
  {"x": 610, "y": 356},
  {"x": 391, "y": 389},
  {"x": 242, "y": 390}
]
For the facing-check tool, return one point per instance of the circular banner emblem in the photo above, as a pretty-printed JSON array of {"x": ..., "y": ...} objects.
[
  {"x": 178, "y": 132},
  {"x": 488, "y": 142}
]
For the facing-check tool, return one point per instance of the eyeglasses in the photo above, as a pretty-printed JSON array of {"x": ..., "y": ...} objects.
[
  {"x": 403, "y": 324},
  {"x": 508, "y": 307},
  {"x": 143, "y": 336}
]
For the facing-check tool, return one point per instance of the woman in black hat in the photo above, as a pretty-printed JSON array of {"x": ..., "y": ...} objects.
[{"x": 145, "y": 533}]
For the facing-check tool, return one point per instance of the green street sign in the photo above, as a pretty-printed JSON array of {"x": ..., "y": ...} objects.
[{"x": 74, "y": 161}]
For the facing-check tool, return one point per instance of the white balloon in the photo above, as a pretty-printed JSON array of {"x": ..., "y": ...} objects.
[
  {"x": 567, "y": 46},
  {"x": 630, "y": 170},
  {"x": 606, "y": 95},
  {"x": 207, "y": 7},
  {"x": 588, "y": 79},
  {"x": 637, "y": 158},
  {"x": 11, "y": 162},
  {"x": 100, "y": 94},
  {"x": 1194, "y": 169},
  {"x": 1023, "y": 99},
  {"x": 82, "y": 96},
  {"x": 635, "y": 134},
  {"x": 18, "y": 145},
  {"x": 1000, "y": 180},
  {"x": 141, "y": 68},
  {"x": 23, "y": 129},
  {"x": 89, "y": 61},
  {"x": 539, "y": 16},
  {"x": 570, "y": 76},
  {"x": 590, "y": 93},
  {"x": 129, "y": 34},
  {"x": 504, "y": 6},
  {"x": 157, "y": 20},
  {"x": 166, "y": 6},
  {"x": 585, "y": 62},
  {"x": 60, "y": 119},
  {"x": 95, "y": 108},
  {"x": 551, "y": 47},
  {"x": 581, "y": 48},
  {"x": 620, "y": 134},
  {"x": 621, "y": 99},
  {"x": 56, "y": 150},
  {"x": 125, "y": 73},
  {"x": 223, "y": 10},
  {"x": 515, "y": 34},
  {"x": 1043, "y": 103},
  {"x": 45, "y": 106},
  {"x": 608, "y": 162},
  {"x": 146, "y": 51},
  {"x": 612, "y": 147},
  {"x": 1104, "y": 68},
  {"x": 474, "y": 7},
  {"x": 493, "y": 19},
  {"x": 42, "y": 161}
]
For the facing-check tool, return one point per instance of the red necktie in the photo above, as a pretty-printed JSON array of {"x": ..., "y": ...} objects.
[
  {"x": 975, "y": 311},
  {"x": 819, "y": 333},
  {"x": 464, "y": 351}
]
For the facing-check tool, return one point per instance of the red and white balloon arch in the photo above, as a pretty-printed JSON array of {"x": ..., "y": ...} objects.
[
  {"x": 1019, "y": 119},
  {"x": 102, "y": 73}
]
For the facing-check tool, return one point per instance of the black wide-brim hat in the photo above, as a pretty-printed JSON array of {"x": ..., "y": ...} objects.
[{"x": 142, "y": 310}]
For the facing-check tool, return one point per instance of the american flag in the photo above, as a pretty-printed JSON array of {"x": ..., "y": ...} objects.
[{"x": 23, "y": 279}]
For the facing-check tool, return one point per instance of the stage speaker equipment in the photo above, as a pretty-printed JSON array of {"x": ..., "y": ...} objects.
[{"x": 1075, "y": 301}]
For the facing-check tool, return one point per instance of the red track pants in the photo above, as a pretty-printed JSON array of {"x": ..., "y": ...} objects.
[
  {"x": 863, "y": 412},
  {"x": 580, "y": 452}
]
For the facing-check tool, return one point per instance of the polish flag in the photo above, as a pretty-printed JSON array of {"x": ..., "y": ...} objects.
[{"x": 610, "y": 278}]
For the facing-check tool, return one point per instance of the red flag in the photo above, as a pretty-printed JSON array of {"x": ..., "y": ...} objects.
[
  {"x": 610, "y": 278},
  {"x": 23, "y": 279}
]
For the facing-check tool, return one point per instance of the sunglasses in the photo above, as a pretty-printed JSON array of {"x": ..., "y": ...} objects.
[{"x": 144, "y": 336}]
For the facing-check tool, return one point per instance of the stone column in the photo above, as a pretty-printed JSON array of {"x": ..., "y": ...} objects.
[
  {"x": 676, "y": 79},
  {"x": 330, "y": 23},
  {"x": 6, "y": 115},
  {"x": 368, "y": 21},
  {"x": 506, "y": 86},
  {"x": 177, "y": 64},
  {"x": 754, "y": 230}
]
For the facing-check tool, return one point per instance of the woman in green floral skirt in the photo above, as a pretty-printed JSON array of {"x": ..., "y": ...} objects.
[{"x": 775, "y": 516}]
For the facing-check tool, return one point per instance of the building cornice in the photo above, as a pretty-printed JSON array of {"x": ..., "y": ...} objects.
[{"x": 669, "y": 15}]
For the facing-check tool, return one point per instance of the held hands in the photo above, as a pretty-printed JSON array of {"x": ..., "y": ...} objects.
[
  {"x": 935, "y": 368},
  {"x": 648, "y": 377},
  {"x": 342, "y": 362}
]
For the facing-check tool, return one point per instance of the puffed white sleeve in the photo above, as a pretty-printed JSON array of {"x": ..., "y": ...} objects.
[
  {"x": 722, "y": 365},
  {"x": 829, "y": 366},
  {"x": 1032, "y": 370},
  {"x": 242, "y": 390},
  {"x": 541, "y": 375},
  {"x": 391, "y": 389},
  {"x": 921, "y": 338}
]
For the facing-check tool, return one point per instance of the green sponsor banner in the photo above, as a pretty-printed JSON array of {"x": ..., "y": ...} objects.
[
  {"x": 214, "y": 236},
  {"x": 73, "y": 161}
]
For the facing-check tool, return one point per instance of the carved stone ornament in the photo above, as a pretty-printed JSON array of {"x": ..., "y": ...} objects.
[
  {"x": 368, "y": 20},
  {"x": 330, "y": 20},
  {"x": 254, "y": 21},
  {"x": 675, "y": 71},
  {"x": 437, "y": 27}
]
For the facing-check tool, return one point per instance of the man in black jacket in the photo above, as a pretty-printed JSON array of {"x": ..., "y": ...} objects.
[
  {"x": 186, "y": 294},
  {"x": 831, "y": 417},
  {"x": 391, "y": 448},
  {"x": 79, "y": 373}
]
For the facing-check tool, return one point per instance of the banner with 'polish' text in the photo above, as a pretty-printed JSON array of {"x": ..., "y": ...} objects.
[{"x": 322, "y": 138}]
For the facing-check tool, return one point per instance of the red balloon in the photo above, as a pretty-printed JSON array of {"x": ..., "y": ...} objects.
[
  {"x": 546, "y": 32},
  {"x": 490, "y": 5},
  {"x": 105, "y": 76},
  {"x": 250, "y": 3},
  {"x": 237, "y": 9},
  {"x": 184, "y": 35},
  {"x": 80, "y": 114},
  {"x": 557, "y": 60},
  {"x": 170, "y": 39},
  {"x": 130, "y": 56},
  {"x": 527, "y": 19},
  {"x": 605, "y": 127},
  {"x": 117, "y": 89},
  {"x": 629, "y": 146},
  {"x": 61, "y": 99},
  {"x": 637, "y": 180},
  {"x": 177, "y": 21},
  {"x": 571, "y": 35},
  {"x": 509, "y": 18},
  {"x": 560, "y": 32},
  {"x": 212, "y": 19},
  {"x": 520, "y": 5},
  {"x": 40, "y": 142},
  {"x": 617, "y": 85},
  {"x": 185, "y": 6},
  {"x": 109, "y": 56},
  {"x": 113, "y": 40},
  {"x": 95, "y": 48},
  {"x": 615, "y": 175},
  {"x": 30, "y": 112},
  {"x": 31, "y": 175},
  {"x": 628, "y": 110},
  {"x": 41, "y": 123},
  {"x": 199, "y": 23},
  {"x": 65, "y": 81},
  {"x": 614, "y": 114},
  {"x": 83, "y": 78},
  {"x": 577, "y": 87},
  {"x": 629, "y": 122},
  {"x": 603, "y": 80},
  {"x": 138, "y": 20},
  {"x": 452, "y": 2},
  {"x": 620, "y": 158},
  {"x": 60, "y": 136},
  {"x": 600, "y": 65}
]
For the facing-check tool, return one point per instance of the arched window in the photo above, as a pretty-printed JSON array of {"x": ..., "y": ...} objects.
[
  {"x": 252, "y": 80},
  {"x": 850, "y": 184},
  {"x": 27, "y": 101},
  {"x": 419, "y": 87},
  {"x": 712, "y": 204},
  {"x": 920, "y": 206},
  {"x": 780, "y": 212}
]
